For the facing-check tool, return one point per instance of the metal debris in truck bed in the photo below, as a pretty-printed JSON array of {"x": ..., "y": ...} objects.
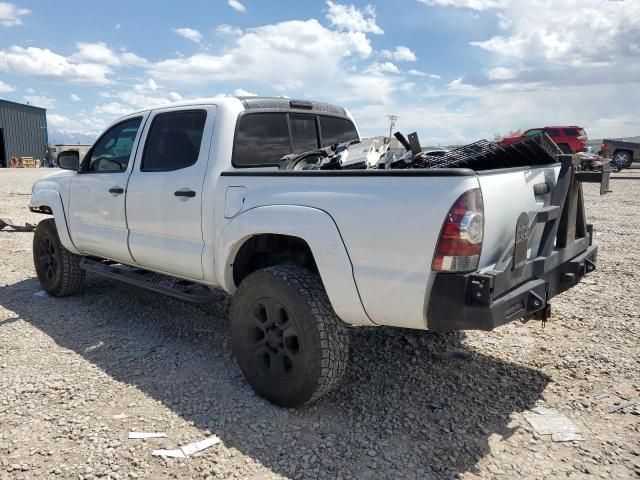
[{"x": 480, "y": 155}]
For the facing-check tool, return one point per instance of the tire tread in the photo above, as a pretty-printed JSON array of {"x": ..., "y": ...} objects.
[
  {"x": 73, "y": 276},
  {"x": 333, "y": 332}
]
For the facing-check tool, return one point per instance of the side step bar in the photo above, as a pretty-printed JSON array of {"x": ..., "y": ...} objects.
[{"x": 181, "y": 289}]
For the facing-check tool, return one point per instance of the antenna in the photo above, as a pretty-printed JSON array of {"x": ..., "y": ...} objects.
[{"x": 393, "y": 119}]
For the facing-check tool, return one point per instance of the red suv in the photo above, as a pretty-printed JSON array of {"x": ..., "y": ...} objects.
[{"x": 572, "y": 139}]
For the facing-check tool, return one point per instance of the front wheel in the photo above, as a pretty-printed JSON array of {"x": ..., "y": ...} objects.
[
  {"x": 57, "y": 268},
  {"x": 289, "y": 343}
]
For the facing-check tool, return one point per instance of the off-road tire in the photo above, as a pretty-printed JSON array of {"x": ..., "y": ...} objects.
[
  {"x": 566, "y": 150},
  {"x": 321, "y": 338},
  {"x": 57, "y": 268},
  {"x": 626, "y": 157}
]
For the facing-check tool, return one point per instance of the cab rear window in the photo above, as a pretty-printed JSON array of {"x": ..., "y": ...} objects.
[
  {"x": 337, "y": 130},
  {"x": 262, "y": 139}
]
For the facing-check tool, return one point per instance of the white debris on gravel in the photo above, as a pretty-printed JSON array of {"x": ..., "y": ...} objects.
[
  {"x": 567, "y": 437},
  {"x": 143, "y": 435},
  {"x": 547, "y": 421},
  {"x": 175, "y": 453},
  {"x": 68, "y": 366},
  {"x": 188, "y": 450}
]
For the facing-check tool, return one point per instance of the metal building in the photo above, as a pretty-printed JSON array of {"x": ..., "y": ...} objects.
[{"x": 23, "y": 131}]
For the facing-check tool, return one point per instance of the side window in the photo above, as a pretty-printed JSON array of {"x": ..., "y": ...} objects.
[
  {"x": 553, "y": 132},
  {"x": 112, "y": 152},
  {"x": 337, "y": 130},
  {"x": 173, "y": 141},
  {"x": 304, "y": 133},
  {"x": 531, "y": 133},
  {"x": 571, "y": 132},
  {"x": 262, "y": 140}
]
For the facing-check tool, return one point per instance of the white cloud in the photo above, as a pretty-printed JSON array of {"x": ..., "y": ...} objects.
[
  {"x": 82, "y": 128},
  {"x": 237, "y": 6},
  {"x": 129, "y": 59},
  {"x": 40, "y": 101},
  {"x": 75, "y": 98},
  {"x": 225, "y": 29},
  {"x": 112, "y": 108},
  {"x": 91, "y": 64},
  {"x": 590, "y": 33},
  {"x": 458, "y": 85},
  {"x": 284, "y": 55},
  {"x": 59, "y": 120},
  {"x": 239, "y": 92},
  {"x": 400, "y": 54},
  {"x": 140, "y": 96},
  {"x": 5, "y": 87},
  {"x": 149, "y": 85},
  {"x": 33, "y": 61},
  {"x": 502, "y": 73},
  {"x": 10, "y": 15},
  {"x": 419, "y": 73},
  {"x": 479, "y": 5},
  {"x": 378, "y": 68},
  {"x": 348, "y": 18},
  {"x": 100, "y": 53},
  {"x": 190, "y": 34}
]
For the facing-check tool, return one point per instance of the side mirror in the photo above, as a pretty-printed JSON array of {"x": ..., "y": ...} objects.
[{"x": 69, "y": 160}]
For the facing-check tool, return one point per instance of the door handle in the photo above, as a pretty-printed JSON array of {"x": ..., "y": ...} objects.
[
  {"x": 116, "y": 190},
  {"x": 185, "y": 193}
]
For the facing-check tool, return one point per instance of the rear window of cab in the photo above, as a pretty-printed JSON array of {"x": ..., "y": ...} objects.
[{"x": 262, "y": 139}]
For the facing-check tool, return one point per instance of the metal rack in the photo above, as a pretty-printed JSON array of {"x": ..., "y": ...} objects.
[{"x": 485, "y": 155}]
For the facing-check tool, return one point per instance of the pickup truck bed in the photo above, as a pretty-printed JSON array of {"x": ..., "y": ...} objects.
[{"x": 307, "y": 252}]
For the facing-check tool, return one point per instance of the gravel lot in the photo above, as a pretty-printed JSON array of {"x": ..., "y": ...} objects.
[{"x": 77, "y": 374}]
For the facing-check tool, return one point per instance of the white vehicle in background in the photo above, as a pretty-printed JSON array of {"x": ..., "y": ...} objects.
[
  {"x": 188, "y": 198},
  {"x": 57, "y": 148}
]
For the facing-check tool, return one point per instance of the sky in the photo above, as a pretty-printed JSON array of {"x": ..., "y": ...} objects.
[{"x": 452, "y": 70}]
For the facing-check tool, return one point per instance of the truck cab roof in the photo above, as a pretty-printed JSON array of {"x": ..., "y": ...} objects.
[{"x": 258, "y": 103}]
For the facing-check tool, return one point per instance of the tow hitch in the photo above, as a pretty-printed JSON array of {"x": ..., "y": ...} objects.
[{"x": 542, "y": 315}]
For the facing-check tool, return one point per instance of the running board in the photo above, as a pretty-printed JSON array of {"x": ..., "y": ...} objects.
[{"x": 156, "y": 282}]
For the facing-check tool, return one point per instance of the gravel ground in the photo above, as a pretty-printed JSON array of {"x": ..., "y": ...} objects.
[{"x": 77, "y": 374}]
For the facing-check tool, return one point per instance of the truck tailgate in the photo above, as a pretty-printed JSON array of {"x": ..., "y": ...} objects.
[
  {"x": 537, "y": 245},
  {"x": 506, "y": 195}
]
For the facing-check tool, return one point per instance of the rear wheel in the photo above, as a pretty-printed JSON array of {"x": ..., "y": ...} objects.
[
  {"x": 57, "y": 268},
  {"x": 290, "y": 345},
  {"x": 622, "y": 159}
]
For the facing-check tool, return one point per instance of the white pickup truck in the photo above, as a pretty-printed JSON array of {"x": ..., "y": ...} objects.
[{"x": 189, "y": 199}]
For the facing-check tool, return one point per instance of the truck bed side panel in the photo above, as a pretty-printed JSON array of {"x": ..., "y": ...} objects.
[{"x": 390, "y": 226}]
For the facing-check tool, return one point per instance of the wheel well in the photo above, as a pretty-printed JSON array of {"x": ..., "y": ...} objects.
[
  {"x": 623, "y": 150},
  {"x": 267, "y": 250}
]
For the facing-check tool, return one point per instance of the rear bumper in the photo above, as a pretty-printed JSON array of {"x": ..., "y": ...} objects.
[{"x": 470, "y": 301}]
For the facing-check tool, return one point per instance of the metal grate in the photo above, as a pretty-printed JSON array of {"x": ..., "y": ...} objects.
[{"x": 485, "y": 155}]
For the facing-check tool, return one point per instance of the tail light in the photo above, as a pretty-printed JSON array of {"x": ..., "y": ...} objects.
[{"x": 460, "y": 241}]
